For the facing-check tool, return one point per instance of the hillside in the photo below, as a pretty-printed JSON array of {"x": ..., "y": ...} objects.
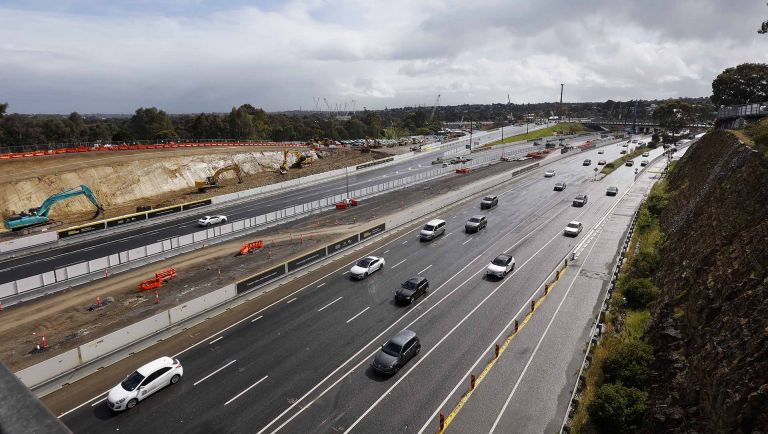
[{"x": 710, "y": 325}]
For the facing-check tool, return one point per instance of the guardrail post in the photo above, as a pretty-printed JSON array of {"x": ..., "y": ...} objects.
[
  {"x": 533, "y": 305},
  {"x": 472, "y": 381},
  {"x": 496, "y": 352},
  {"x": 517, "y": 326},
  {"x": 442, "y": 421}
]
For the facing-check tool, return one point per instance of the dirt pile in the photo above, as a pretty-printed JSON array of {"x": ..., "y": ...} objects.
[
  {"x": 710, "y": 326},
  {"x": 157, "y": 179}
]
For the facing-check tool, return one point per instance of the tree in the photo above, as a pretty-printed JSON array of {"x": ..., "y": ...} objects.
[
  {"x": 746, "y": 83},
  {"x": 617, "y": 408},
  {"x": 147, "y": 123},
  {"x": 3, "y": 108},
  {"x": 673, "y": 115},
  {"x": 629, "y": 364}
]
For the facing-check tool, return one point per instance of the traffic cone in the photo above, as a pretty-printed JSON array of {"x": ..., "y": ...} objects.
[
  {"x": 42, "y": 340},
  {"x": 98, "y": 301},
  {"x": 219, "y": 273},
  {"x": 157, "y": 298},
  {"x": 269, "y": 253},
  {"x": 302, "y": 238},
  {"x": 1, "y": 306},
  {"x": 106, "y": 272}
]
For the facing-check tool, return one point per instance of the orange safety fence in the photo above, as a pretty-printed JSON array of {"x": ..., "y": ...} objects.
[
  {"x": 251, "y": 247},
  {"x": 160, "y": 278}
]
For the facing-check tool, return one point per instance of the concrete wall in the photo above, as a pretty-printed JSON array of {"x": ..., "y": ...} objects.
[
  {"x": 50, "y": 368},
  {"x": 193, "y": 307},
  {"x": 30, "y": 241},
  {"x": 117, "y": 339}
]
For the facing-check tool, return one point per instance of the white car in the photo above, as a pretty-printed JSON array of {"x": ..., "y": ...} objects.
[
  {"x": 144, "y": 382},
  {"x": 573, "y": 229},
  {"x": 549, "y": 173},
  {"x": 212, "y": 220},
  {"x": 646, "y": 154},
  {"x": 366, "y": 266},
  {"x": 501, "y": 266}
]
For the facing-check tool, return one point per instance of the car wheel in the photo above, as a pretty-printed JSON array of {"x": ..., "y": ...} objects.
[
  {"x": 132, "y": 403},
  {"x": 410, "y": 300},
  {"x": 175, "y": 379}
]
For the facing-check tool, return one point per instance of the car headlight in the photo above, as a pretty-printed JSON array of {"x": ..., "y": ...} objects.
[{"x": 122, "y": 400}]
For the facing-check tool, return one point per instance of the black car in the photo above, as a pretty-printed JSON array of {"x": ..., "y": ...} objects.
[
  {"x": 560, "y": 186},
  {"x": 412, "y": 289},
  {"x": 580, "y": 200},
  {"x": 587, "y": 162},
  {"x": 489, "y": 202},
  {"x": 396, "y": 353},
  {"x": 612, "y": 191}
]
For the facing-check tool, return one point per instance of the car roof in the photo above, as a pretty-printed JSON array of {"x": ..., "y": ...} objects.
[
  {"x": 574, "y": 222},
  {"x": 416, "y": 279},
  {"x": 504, "y": 257},
  {"x": 403, "y": 337},
  {"x": 435, "y": 222},
  {"x": 155, "y": 365},
  {"x": 489, "y": 197},
  {"x": 479, "y": 217}
]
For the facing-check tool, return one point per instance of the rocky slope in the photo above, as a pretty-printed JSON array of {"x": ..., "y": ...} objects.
[{"x": 710, "y": 326}]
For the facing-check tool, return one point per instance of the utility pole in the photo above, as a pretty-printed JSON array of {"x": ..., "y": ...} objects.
[{"x": 561, "y": 100}]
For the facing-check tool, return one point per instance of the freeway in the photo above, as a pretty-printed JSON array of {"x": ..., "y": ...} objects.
[
  {"x": 83, "y": 250},
  {"x": 302, "y": 363}
]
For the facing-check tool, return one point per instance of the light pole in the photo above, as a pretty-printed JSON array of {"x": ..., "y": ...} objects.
[{"x": 346, "y": 175}]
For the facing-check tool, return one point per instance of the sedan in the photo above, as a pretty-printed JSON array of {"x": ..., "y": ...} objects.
[
  {"x": 501, "y": 266},
  {"x": 601, "y": 152},
  {"x": 212, "y": 220},
  {"x": 612, "y": 191},
  {"x": 644, "y": 163},
  {"x": 412, "y": 289},
  {"x": 475, "y": 223},
  {"x": 366, "y": 266},
  {"x": 144, "y": 382},
  {"x": 549, "y": 173},
  {"x": 646, "y": 154},
  {"x": 573, "y": 229},
  {"x": 489, "y": 202},
  {"x": 560, "y": 186},
  {"x": 396, "y": 353},
  {"x": 601, "y": 163}
]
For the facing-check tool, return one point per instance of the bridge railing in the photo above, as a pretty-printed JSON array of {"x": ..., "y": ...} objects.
[{"x": 743, "y": 111}]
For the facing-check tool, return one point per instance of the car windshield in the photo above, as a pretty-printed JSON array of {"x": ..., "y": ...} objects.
[
  {"x": 474, "y": 220},
  {"x": 205, "y": 218},
  {"x": 500, "y": 260},
  {"x": 488, "y": 199},
  {"x": 365, "y": 262},
  {"x": 392, "y": 349},
  {"x": 132, "y": 381},
  {"x": 410, "y": 284},
  {"x": 573, "y": 225},
  {"x": 429, "y": 228}
]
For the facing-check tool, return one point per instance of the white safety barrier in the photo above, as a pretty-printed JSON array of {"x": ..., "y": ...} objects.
[{"x": 30, "y": 241}]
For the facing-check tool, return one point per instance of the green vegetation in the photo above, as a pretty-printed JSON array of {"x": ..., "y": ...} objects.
[
  {"x": 615, "y": 164},
  {"x": 614, "y": 396},
  {"x": 736, "y": 85},
  {"x": 563, "y": 128}
]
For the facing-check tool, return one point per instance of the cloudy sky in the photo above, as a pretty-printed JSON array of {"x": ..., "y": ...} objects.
[{"x": 58, "y": 56}]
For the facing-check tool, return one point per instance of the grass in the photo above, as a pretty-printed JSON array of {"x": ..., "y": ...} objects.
[
  {"x": 563, "y": 128},
  {"x": 615, "y": 164}
]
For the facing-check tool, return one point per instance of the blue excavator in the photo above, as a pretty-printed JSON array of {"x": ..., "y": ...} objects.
[{"x": 39, "y": 215}]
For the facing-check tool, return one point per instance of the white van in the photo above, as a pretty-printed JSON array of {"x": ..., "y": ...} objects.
[{"x": 433, "y": 229}]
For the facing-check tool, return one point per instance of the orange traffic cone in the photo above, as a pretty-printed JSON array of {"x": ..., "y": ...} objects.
[
  {"x": 157, "y": 298},
  {"x": 42, "y": 342},
  {"x": 98, "y": 301}
]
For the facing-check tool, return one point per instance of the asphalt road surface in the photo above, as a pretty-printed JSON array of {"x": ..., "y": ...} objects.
[
  {"x": 302, "y": 365},
  {"x": 79, "y": 251}
]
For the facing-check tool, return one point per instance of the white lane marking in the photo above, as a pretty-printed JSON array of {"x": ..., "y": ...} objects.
[
  {"x": 465, "y": 242},
  {"x": 346, "y": 272},
  {"x": 212, "y": 373},
  {"x": 399, "y": 263},
  {"x": 450, "y": 332},
  {"x": 249, "y": 388},
  {"x": 385, "y": 252},
  {"x": 257, "y": 318},
  {"x": 428, "y": 267},
  {"x": 334, "y": 301},
  {"x": 449, "y": 233},
  {"x": 99, "y": 401},
  {"x": 215, "y": 340},
  {"x": 538, "y": 344},
  {"x": 374, "y": 340},
  {"x": 405, "y": 242},
  {"x": 321, "y": 285},
  {"x": 291, "y": 300},
  {"x": 361, "y": 312}
]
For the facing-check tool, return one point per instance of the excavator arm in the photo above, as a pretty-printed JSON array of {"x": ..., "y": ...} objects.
[
  {"x": 213, "y": 180},
  {"x": 39, "y": 215}
]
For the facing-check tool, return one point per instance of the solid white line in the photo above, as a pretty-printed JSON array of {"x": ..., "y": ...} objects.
[
  {"x": 291, "y": 300},
  {"x": 346, "y": 272},
  {"x": 257, "y": 318},
  {"x": 216, "y": 340},
  {"x": 374, "y": 340},
  {"x": 385, "y": 252},
  {"x": 428, "y": 267},
  {"x": 538, "y": 344},
  {"x": 249, "y": 388},
  {"x": 212, "y": 373},
  {"x": 334, "y": 301},
  {"x": 399, "y": 263},
  {"x": 405, "y": 242},
  {"x": 450, "y": 332},
  {"x": 321, "y": 285},
  {"x": 465, "y": 242},
  {"x": 361, "y": 312}
]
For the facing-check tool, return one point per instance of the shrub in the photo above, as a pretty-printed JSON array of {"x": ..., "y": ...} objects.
[
  {"x": 629, "y": 364},
  {"x": 759, "y": 132},
  {"x": 657, "y": 203},
  {"x": 644, "y": 219},
  {"x": 645, "y": 263},
  {"x": 639, "y": 292},
  {"x": 617, "y": 408}
]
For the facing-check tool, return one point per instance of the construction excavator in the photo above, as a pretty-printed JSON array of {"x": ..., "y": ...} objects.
[
  {"x": 39, "y": 215},
  {"x": 213, "y": 181},
  {"x": 301, "y": 160}
]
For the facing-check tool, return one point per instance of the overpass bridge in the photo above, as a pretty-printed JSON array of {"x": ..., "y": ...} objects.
[{"x": 735, "y": 116}]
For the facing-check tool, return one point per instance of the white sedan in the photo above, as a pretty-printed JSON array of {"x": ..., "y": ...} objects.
[
  {"x": 212, "y": 220},
  {"x": 573, "y": 229},
  {"x": 366, "y": 266},
  {"x": 144, "y": 382},
  {"x": 549, "y": 173},
  {"x": 501, "y": 266}
]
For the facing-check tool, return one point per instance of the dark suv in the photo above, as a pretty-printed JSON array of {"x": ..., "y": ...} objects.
[
  {"x": 580, "y": 200},
  {"x": 412, "y": 289},
  {"x": 396, "y": 353},
  {"x": 489, "y": 202}
]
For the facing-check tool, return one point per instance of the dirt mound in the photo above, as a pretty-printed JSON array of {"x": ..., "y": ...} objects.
[
  {"x": 710, "y": 327},
  {"x": 158, "y": 179}
]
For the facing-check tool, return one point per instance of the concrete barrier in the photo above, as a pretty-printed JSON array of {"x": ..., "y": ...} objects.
[
  {"x": 197, "y": 305},
  {"x": 97, "y": 264},
  {"x": 126, "y": 335},
  {"x": 30, "y": 241},
  {"x": 45, "y": 370},
  {"x": 29, "y": 283},
  {"x": 7, "y": 289},
  {"x": 155, "y": 248}
]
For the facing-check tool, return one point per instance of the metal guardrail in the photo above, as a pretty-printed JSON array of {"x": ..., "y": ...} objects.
[{"x": 743, "y": 111}]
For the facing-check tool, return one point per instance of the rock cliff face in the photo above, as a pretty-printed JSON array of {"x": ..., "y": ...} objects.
[{"x": 710, "y": 326}]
